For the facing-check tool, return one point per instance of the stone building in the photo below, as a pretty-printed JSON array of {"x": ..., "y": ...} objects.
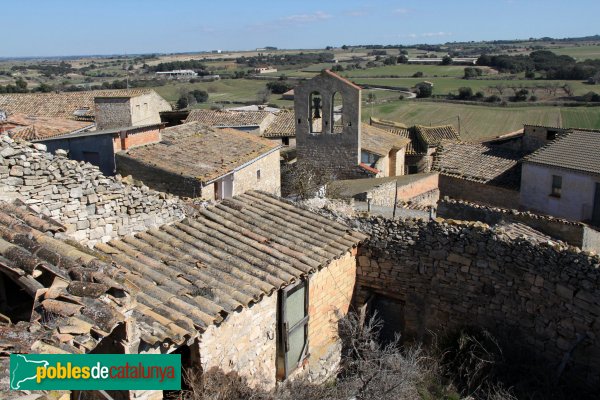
[
  {"x": 74, "y": 105},
  {"x": 197, "y": 161},
  {"x": 563, "y": 178},
  {"x": 253, "y": 286},
  {"x": 136, "y": 109},
  {"x": 479, "y": 173},
  {"x": 423, "y": 142},
  {"x": 331, "y": 137}
]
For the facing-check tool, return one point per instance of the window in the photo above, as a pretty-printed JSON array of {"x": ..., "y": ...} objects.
[
  {"x": 292, "y": 324},
  {"x": 258, "y": 174},
  {"x": 413, "y": 169},
  {"x": 337, "y": 115},
  {"x": 556, "y": 185},
  {"x": 368, "y": 158},
  {"x": 551, "y": 135},
  {"x": 315, "y": 113}
]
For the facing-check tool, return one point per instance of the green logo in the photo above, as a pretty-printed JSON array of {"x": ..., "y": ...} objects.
[{"x": 95, "y": 371}]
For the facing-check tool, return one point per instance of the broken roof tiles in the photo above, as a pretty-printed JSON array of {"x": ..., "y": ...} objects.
[{"x": 173, "y": 282}]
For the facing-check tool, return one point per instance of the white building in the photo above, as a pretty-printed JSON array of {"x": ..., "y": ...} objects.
[
  {"x": 563, "y": 178},
  {"x": 178, "y": 73}
]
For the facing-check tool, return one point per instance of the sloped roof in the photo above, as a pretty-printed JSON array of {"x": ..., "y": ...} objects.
[
  {"x": 230, "y": 255},
  {"x": 479, "y": 163},
  {"x": 433, "y": 136},
  {"x": 415, "y": 145},
  {"x": 283, "y": 125},
  {"x": 35, "y": 128},
  {"x": 577, "y": 150},
  {"x": 338, "y": 77},
  {"x": 380, "y": 141},
  {"x": 201, "y": 152},
  {"x": 61, "y": 105},
  {"x": 228, "y": 118}
]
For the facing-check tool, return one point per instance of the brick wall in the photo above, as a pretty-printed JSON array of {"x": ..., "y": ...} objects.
[
  {"x": 136, "y": 138},
  {"x": 330, "y": 292},
  {"x": 451, "y": 275},
  {"x": 245, "y": 343},
  {"x": 478, "y": 192}
]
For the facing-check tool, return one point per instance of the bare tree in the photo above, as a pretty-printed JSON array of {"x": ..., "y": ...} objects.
[
  {"x": 568, "y": 89},
  {"x": 303, "y": 180}
]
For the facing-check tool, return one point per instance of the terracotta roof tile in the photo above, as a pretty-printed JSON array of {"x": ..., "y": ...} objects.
[
  {"x": 62, "y": 104},
  {"x": 479, "y": 163},
  {"x": 34, "y": 128},
  {"x": 227, "y": 118},
  {"x": 283, "y": 126},
  {"x": 230, "y": 255},
  {"x": 202, "y": 152},
  {"x": 380, "y": 141},
  {"x": 576, "y": 150},
  {"x": 434, "y": 135}
]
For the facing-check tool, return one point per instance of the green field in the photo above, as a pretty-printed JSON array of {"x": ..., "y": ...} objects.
[
  {"x": 481, "y": 122},
  {"x": 221, "y": 90},
  {"x": 444, "y": 86},
  {"x": 580, "y": 53}
]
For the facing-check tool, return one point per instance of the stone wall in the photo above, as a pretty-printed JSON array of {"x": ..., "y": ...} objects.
[
  {"x": 335, "y": 154},
  {"x": 458, "y": 188},
  {"x": 270, "y": 176},
  {"x": 447, "y": 276},
  {"x": 112, "y": 112},
  {"x": 91, "y": 206},
  {"x": 575, "y": 233},
  {"x": 245, "y": 342}
]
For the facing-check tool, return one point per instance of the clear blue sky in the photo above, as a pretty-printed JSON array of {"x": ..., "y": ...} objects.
[{"x": 60, "y": 27}]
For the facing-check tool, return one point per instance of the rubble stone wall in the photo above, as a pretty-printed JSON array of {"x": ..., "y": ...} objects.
[
  {"x": 91, "y": 206},
  {"x": 450, "y": 275},
  {"x": 575, "y": 233},
  {"x": 245, "y": 342},
  {"x": 458, "y": 188}
]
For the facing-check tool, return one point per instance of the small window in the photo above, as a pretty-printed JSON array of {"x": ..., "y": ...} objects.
[
  {"x": 413, "y": 169},
  {"x": 292, "y": 337},
  {"x": 146, "y": 107},
  {"x": 556, "y": 185},
  {"x": 550, "y": 135},
  {"x": 368, "y": 158},
  {"x": 258, "y": 174}
]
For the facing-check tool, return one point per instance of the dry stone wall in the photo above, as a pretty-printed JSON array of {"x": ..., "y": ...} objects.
[
  {"x": 449, "y": 275},
  {"x": 91, "y": 206}
]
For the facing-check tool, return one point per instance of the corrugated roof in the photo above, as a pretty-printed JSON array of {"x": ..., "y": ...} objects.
[
  {"x": 230, "y": 255},
  {"x": 201, "y": 152},
  {"x": 380, "y": 141},
  {"x": 283, "y": 125},
  {"x": 62, "y": 104},
  {"x": 578, "y": 150},
  {"x": 479, "y": 163},
  {"x": 227, "y": 118}
]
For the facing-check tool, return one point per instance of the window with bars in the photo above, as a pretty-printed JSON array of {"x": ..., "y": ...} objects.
[{"x": 292, "y": 343}]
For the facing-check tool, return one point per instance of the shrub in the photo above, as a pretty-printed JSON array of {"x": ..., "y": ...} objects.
[
  {"x": 465, "y": 93},
  {"x": 424, "y": 90},
  {"x": 418, "y": 74},
  {"x": 533, "y": 98}
]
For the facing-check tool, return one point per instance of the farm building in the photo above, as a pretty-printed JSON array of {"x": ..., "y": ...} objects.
[
  {"x": 563, "y": 178},
  {"x": 197, "y": 161},
  {"x": 270, "y": 274}
]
